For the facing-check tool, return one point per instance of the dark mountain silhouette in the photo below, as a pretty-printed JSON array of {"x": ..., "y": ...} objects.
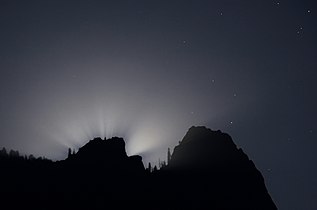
[
  {"x": 208, "y": 171},
  {"x": 110, "y": 154},
  {"x": 205, "y": 171}
]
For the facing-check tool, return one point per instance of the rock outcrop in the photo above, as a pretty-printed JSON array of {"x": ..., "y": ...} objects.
[{"x": 208, "y": 171}]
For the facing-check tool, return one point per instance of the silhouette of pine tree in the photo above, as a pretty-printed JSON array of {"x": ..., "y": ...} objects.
[
  {"x": 150, "y": 167},
  {"x": 31, "y": 157},
  {"x": 168, "y": 156},
  {"x": 14, "y": 154},
  {"x": 3, "y": 152},
  {"x": 69, "y": 153}
]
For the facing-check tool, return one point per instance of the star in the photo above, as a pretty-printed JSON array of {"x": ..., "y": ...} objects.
[
  {"x": 299, "y": 29},
  {"x": 234, "y": 95}
]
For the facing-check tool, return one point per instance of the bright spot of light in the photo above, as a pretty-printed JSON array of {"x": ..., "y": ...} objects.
[{"x": 143, "y": 138}]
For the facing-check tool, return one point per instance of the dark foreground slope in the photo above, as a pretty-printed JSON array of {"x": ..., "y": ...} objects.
[{"x": 206, "y": 171}]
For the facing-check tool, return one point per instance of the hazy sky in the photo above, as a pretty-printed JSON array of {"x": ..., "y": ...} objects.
[{"x": 148, "y": 70}]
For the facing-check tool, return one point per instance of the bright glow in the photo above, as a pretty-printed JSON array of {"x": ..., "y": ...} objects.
[{"x": 146, "y": 136}]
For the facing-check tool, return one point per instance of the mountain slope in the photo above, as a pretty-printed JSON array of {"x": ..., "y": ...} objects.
[{"x": 207, "y": 168}]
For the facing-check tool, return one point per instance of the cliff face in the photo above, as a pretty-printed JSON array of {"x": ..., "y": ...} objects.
[
  {"x": 98, "y": 150},
  {"x": 202, "y": 147},
  {"x": 107, "y": 157},
  {"x": 208, "y": 167}
]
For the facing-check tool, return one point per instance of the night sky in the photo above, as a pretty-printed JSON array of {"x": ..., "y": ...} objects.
[{"x": 149, "y": 70}]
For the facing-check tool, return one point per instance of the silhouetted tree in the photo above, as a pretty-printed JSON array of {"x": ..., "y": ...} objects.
[
  {"x": 14, "y": 154},
  {"x": 163, "y": 164},
  {"x": 31, "y": 157},
  {"x": 150, "y": 167},
  {"x": 168, "y": 155},
  {"x": 154, "y": 169},
  {"x": 69, "y": 152},
  {"x": 3, "y": 152}
]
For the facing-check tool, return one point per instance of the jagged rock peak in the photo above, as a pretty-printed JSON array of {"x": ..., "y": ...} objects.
[
  {"x": 201, "y": 134},
  {"x": 202, "y": 146},
  {"x": 105, "y": 142},
  {"x": 100, "y": 149}
]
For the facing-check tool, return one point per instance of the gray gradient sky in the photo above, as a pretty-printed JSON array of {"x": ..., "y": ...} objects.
[{"x": 148, "y": 70}]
